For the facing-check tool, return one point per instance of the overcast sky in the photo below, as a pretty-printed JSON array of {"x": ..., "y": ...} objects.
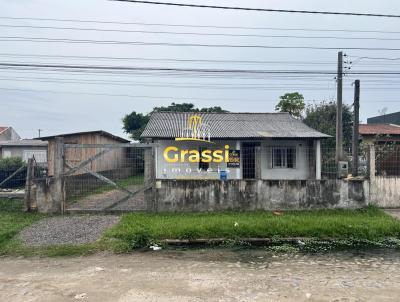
[{"x": 36, "y": 99}]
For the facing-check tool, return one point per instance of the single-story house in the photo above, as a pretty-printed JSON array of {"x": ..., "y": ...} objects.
[
  {"x": 24, "y": 148},
  {"x": 379, "y": 133},
  {"x": 233, "y": 146},
  {"x": 73, "y": 156},
  {"x": 8, "y": 134}
]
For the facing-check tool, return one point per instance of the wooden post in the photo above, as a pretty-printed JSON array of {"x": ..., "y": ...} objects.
[
  {"x": 58, "y": 162},
  {"x": 28, "y": 185}
]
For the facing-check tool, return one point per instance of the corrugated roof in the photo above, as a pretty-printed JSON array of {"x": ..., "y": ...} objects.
[
  {"x": 100, "y": 132},
  {"x": 375, "y": 129},
  {"x": 231, "y": 125},
  {"x": 24, "y": 142}
]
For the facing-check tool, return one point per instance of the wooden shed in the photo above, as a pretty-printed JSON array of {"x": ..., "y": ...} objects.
[{"x": 115, "y": 159}]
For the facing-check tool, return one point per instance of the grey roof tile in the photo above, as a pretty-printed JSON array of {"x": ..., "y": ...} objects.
[{"x": 231, "y": 125}]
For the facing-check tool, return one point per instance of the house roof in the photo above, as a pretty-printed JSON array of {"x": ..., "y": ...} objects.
[
  {"x": 391, "y": 118},
  {"x": 23, "y": 143},
  {"x": 231, "y": 125},
  {"x": 2, "y": 129},
  {"x": 99, "y": 132},
  {"x": 376, "y": 129}
]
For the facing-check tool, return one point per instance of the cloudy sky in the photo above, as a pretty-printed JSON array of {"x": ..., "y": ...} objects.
[{"x": 59, "y": 101}]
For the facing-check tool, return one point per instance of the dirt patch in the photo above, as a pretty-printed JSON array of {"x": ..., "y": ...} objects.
[
  {"x": 103, "y": 201},
  {"x": 67, "y": 230},
  {"x": 203, "y": 276}
]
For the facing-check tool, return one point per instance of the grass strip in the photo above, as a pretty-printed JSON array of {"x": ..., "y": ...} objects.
[{"x": 369, "y": 224}]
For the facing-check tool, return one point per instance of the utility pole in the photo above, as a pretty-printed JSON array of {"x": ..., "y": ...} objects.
[
  {"x": 355, "y": 126},
  {"x": 40, "y": 131},
  {"x": 339, "y": 109}
]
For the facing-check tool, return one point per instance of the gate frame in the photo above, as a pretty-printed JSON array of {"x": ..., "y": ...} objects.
[{"x": 60, "y": 174}]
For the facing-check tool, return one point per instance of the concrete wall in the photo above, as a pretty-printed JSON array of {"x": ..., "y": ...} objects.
[
  {"x": 385, "y": 192},
  {"x": 305, "y": 168},
  {"x": 46, "y": 196},
  {"x": 211, "y": 195}
]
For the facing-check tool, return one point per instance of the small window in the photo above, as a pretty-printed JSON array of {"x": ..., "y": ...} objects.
[
  {"x": 284, "y": 157},
  {"x": 203, "y": 165},
  {"x": 6, "y": 153}
]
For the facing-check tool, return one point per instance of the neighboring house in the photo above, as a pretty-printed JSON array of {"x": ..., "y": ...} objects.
[
  {"x": 386, "y": 139},
  {"x": 73, "y": 156},
  {"x": 379, "y": 133},
  {"x": 391, "y": 118},
  {"x": 24, "y": 148},
  {"x": 233, "y": 146},
  {"x": 8, "y": 134}
]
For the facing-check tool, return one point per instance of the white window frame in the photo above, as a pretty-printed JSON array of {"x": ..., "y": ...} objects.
[
  {"x": 26, "y": 154},
  {"x": 284, "y": 155}
]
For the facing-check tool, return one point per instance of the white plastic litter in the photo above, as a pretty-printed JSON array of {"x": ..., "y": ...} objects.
[
  {"x": 155, "y": 247},
  {"x": 80, "y": 296}
]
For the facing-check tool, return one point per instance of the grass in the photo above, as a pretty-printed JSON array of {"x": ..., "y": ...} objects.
[
  {"x": 12, "y": 221},
  {"x": 369, "y": 224},
  {"x": 347, "y": 228}
]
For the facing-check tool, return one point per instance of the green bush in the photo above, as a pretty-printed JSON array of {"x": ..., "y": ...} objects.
[{"x": 11, "y": 163}]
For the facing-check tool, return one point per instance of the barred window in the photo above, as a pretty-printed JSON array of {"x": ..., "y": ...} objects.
[{"x": 284, "y": 157}]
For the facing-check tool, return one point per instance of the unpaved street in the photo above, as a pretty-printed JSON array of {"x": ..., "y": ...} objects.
[{"x": 204, "y": 275}]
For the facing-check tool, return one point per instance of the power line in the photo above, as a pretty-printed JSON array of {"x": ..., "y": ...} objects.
[
  {"x": 261, "y": 9},
  {"x": 163, "y": 97},
  {"x": 199, "y": 33},
  {"x": 244, "y": 62},
  {"x": 198, "y": 26},
  {"x": 300, "y": 86},
  {"x": 201, "y": 70},
  {"x": 169, "y": 59},
  {"x": 141, "y": 43}
]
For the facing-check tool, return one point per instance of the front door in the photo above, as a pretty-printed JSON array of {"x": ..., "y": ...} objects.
[{"x": 250, "y": 158}]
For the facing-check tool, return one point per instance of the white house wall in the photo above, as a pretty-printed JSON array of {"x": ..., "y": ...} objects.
[
  {"x": 186, "y": 170},
  {"x": 302, "y": 169}
]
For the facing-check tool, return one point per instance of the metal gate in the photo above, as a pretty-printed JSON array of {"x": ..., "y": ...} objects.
[{"x": 106, "y": 177}]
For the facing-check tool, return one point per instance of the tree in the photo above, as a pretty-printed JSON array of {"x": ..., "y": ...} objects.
[
  {"x": 322, "y": 117},
  {"x": 292, "y": 103},
  {"x": 134, "y": 123}
]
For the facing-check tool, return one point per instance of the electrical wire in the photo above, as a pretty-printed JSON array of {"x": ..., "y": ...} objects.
[
  {"x": 201, "y": 70},
  {"x": 198, "y": 26},
  {"x": 163, "y": 97},
  {"x": 261, "y": 9},
  {"x": 199, "y": 33},
  {"x": 141, "y": 43}
]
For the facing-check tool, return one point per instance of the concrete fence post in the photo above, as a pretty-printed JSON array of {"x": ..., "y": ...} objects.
[
  {"x": 58, "y": 162},
  {"x": 318, "y": 160},
  {"x": 149, "y": 179},
  {"x": 28, "y": 185},
  {"x": 372, "y": 164}
]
